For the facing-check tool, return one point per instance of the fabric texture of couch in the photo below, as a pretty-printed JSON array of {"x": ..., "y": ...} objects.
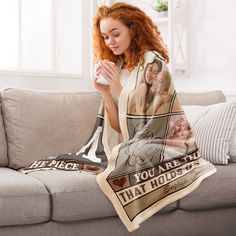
[{"x": 37, "y": 124}]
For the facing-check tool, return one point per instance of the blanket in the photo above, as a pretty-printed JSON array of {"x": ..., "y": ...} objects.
[{"x": 154, "y": 162}]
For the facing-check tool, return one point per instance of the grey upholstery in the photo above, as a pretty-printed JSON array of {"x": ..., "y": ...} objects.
[
  {"x": 23, "y": 199},
  {"x": 3, "y": 143},
  {"x": 202, "y": 98},
  {"x": 36, "y": 124},
  {"x": 41, "y": 124},
  {"x": 76, "y": 196},
  {"x": 220, "y": 222},
  {"x": 219, "y": 190}
]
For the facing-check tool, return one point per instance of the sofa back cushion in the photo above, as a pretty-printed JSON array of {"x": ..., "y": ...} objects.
[
  {"x": 39, "y": 124},
  {"x": 202, "y": 98},
  {"x": 3, "y": 143}
]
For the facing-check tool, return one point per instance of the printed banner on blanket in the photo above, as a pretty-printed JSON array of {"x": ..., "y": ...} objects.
[{"x": 155, "y": 162}]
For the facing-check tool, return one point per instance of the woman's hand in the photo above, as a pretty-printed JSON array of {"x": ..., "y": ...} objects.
[
  {"x": 111, "y": 73},
  {"x": 102, "y": 88}
]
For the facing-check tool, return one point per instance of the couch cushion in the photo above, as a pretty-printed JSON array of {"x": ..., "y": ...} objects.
[
  {"x": 201, "y": 98},
  {"x": 3, "y": 143},
  {"x": 23, "y": 199},
  {"x": 40, "y": 124},
  {"x": 77, "y": 196},
  {"x": 232, "y": 145},
  {"x": 219, "y": 190}
]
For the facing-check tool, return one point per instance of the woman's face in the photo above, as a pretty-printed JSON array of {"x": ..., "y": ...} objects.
[
  {"x": 151, "y": 73},
  {"x": 117, "y": 36}
]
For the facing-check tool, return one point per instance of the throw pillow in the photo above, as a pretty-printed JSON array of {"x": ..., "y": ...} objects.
[
  {"x": 232, "y": 146},
  {"x": 213, "y": 126}
]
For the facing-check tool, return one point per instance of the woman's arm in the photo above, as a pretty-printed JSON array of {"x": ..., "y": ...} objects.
[
  {"x": 112, "y": 111},
  {"x": 109, "y": 102}
]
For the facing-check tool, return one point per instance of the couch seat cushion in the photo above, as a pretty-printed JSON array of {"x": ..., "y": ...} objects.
[
  {"x": 219, "y": 190},
  {"x": 23, "y": 199},
  {"x": 77, "y": 196}
]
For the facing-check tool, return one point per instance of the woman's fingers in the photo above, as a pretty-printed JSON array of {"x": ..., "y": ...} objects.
[
  {"x": 111, "y": 73},
  {"x": 98, "y": 71},
  {"x": 102, "y": 88},
  {"x": 110, "y": 68},
  {"x": 106, "y": 73},
  {"x": 110, "y": 65}
]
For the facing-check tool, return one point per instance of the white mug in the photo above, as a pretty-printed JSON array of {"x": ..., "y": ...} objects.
[{"x": 100, "y": 79}]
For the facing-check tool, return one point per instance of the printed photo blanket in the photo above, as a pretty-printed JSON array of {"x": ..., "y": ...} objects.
[{"x": 154, "y": 161}]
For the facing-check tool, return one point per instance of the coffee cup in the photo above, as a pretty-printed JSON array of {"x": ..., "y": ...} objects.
[{"x": 100, "y": 79}]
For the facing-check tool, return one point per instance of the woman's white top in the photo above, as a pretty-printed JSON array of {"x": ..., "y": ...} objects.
[{"x": 124, "y": 75}]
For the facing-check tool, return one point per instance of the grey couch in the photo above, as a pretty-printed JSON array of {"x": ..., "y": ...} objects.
[{"x": 36, "y": 124}]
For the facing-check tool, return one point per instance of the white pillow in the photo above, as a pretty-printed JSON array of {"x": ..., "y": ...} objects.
[{"x": 213, "y": 126}]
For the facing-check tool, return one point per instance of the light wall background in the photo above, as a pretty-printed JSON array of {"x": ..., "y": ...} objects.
[
  {"x": 212, "y": 47},
  {"x": 212, "y": 54}
]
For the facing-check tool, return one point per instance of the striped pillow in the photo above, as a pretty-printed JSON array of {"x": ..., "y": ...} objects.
[
  {"x": 232, "y": 146},
  {"x": 213, "y": 126}
]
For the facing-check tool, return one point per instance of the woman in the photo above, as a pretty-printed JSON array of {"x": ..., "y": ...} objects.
[
  {"x": 122, "y": 34},
  {"x": 138, "y": 168}
]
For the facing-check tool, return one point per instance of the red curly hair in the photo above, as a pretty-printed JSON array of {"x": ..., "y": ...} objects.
[{"x": 145, "y": 34}]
